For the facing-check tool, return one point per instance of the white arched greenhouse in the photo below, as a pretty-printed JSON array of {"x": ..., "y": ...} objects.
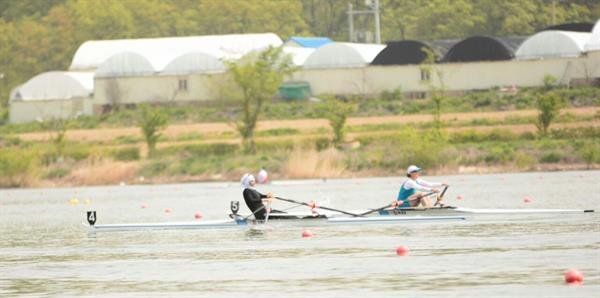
[
  {"x": 553, "y": 44},
  {"x": 343, "y": 55},
  {"x": 594, "y": 43},
  {"x": 55, "y": 94},
  {"x": 91, "y": 54},
  {"x": 194, "y": 63},
  {"x": 298, "y": 54}
]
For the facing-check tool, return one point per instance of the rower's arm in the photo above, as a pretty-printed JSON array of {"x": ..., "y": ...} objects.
[{"x": 417, "y": 186}]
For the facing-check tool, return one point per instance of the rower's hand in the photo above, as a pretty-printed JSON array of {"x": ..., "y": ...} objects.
[
  {"x": 270, "y": 195},
  {"x": 435, "y": 189}
]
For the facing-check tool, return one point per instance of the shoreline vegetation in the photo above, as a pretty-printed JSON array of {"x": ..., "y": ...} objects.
[{"x": 482, "y": 132}]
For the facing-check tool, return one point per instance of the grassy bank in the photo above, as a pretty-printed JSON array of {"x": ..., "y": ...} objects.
[
  {"x": 501, "y": 136},
  {"x": 382, "y": 152},
  {"x": 387, "y": 103}
]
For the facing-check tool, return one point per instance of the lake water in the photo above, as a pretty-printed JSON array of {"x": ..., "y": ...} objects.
[{"x": 46, "y": 250}]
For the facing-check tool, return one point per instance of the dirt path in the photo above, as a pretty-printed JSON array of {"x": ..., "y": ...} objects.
[{"x": 173, "y": 131}]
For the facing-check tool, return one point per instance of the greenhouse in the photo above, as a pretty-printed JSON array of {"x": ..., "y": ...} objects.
[
  {"x": 343, "y": 55},
  {"x": 50, "y": 95},
  {"x": 91, "y": 54},
  {"x": 553, "y": 44},
  {"x": 594, "y": 43},
  {"x": 55, "y": 85},
  {"x": 127, "y": 64},
  {"x": 299, "y": 55},
  {"x": 194, "y": 63},
  {"x": 483, "y": 48},
  {"x": 403, "y": 52}
]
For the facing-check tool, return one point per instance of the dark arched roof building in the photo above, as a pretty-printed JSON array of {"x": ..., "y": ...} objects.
[
  {"x": 483, "y": 48},
  {"x": 577, "y": 27},
  {"x": 405, "y": 52}
]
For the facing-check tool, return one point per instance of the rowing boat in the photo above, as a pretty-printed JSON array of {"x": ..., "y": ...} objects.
[
  {"x": 462, "y": 210},
  {"x": 442, "y": 210},
  {"x": 240, "y": 222},
  {"x": 327, "y": 216}
]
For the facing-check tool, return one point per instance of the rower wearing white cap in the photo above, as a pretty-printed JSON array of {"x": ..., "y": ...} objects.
[
  {"x": 413, "y": 189},
  {"x": 254, "y": 199}
]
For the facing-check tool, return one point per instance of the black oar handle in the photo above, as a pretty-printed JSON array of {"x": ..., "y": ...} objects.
[
  {"x": 321, "y": 207},
  {"x": 442, "y": 195}
]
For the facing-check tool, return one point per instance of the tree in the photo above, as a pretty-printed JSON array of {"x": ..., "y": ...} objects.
[
  {"x": 258, "y": 76},
  {"x": 152, "y": 121},
  {"x": 433, "y": 76},
  {"x": 548, "y": 106},
  {"x": 337, "y": 111}
]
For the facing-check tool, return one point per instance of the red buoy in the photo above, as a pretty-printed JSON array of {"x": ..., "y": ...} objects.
[
  {"x": 573, "y": 277},
  {"x": 198, "y": 215},
  {"x": 402, "y": 250},
  {"x": 526, "y": 200},
  {"x": 459, "y": 197},
  {"x": 307, "y": 233},
  {"x": 168, "y": 210},
  {"x": 144, "y": 206}
]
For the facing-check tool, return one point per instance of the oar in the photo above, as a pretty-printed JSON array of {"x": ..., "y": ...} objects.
[
  {"x": 441, "y": 196},
  {"x": 254, "y": 213},
  {"x": 390, "y": 205},
  {"x": 268, "y": 212},
  {"x": 320, "y": 207}
]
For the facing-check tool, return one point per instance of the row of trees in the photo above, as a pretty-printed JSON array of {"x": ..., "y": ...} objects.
[{"x": 42, "y": 35}]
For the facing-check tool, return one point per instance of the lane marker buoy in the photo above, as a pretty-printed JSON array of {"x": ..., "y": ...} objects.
[
  {"x": 402, "y": 250},
  {"x": 573, "y": 277}
]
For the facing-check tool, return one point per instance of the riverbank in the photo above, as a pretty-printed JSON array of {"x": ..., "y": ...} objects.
[{"x": 499, "y": 142}]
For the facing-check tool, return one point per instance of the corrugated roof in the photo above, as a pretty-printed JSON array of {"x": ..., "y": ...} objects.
[
  {"x": 56, "y": 85},
  {"x": 160, "y": 51}
]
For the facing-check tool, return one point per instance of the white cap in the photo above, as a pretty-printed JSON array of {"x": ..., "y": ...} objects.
[{"x": 412, "y": 169}]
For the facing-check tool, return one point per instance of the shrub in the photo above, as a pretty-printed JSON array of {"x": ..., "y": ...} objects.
[
  {"x": 590, "y": 152},
  {"x": 500, "y": 154},
  {"x": 17, "y": 167},
  {"x": 548, "y": 108},
  {"x": 552, "y": 157},
  {"x": 126, "y": 154}
]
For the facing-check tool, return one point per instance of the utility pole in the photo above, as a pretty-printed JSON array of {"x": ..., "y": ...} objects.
[
  {"x": 374, "y": 9},
  {"x": 350, "y": 23},
  {"x": 553, "y": 12}
]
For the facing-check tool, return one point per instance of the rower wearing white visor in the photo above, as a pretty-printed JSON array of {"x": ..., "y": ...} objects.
[
  {"x": 254, "y": 199},
  {"x": 413, "y": 190}
]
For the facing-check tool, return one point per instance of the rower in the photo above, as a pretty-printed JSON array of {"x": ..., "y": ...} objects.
[
  {"x": 254, "y": 199},
  {"x": 413, "y": 190}
]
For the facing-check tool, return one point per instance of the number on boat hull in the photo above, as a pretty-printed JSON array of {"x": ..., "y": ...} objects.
[
  {"x": 235, "y": 207},
  {"x": 91, "y": 217}
]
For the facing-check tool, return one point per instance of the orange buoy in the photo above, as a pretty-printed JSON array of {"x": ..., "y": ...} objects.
[
  {"x": 168, "y": 210},
  {"x": 307, "y": 234},
  {"x": 402, "y": 250},
  {"x": 573, "y": 277},
  {"x": 198, "y": 215}
]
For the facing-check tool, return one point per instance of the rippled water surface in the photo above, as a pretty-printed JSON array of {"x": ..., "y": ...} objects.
[{"x": 46, "y": 250}]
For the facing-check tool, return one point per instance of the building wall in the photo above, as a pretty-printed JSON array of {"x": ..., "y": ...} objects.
[
  {"x": 32, "y": 110},
  {"x": 362, "y": 81},
  {"x": 457, "y": 76},
  {"x": 159, "y": 88}
]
